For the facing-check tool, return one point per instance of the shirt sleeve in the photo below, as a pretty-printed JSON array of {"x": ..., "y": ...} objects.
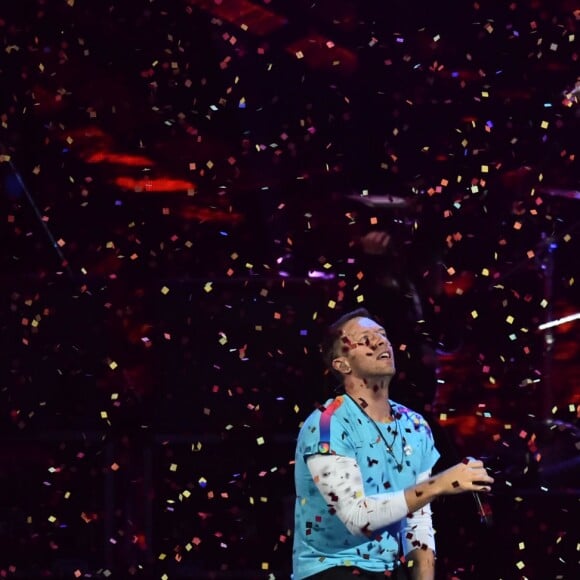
[
  {"x": 418, "y": 530},
  {"x": 324, "y": 433},
  {"x": 339, "y": 480}
]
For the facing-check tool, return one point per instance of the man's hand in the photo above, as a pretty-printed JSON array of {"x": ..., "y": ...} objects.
[
  {"x": 469, "y": 475},
  {"x": 421, "y": 564}
]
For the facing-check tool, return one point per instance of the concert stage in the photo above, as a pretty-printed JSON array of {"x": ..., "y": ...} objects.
[{"x": 187, "y": 191}]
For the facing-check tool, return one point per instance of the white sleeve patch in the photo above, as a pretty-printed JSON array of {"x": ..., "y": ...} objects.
[{"x": 339, "y": 480}]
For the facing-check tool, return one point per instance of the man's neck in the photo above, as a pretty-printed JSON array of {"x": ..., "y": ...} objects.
[{"x": 372, "y": 396}]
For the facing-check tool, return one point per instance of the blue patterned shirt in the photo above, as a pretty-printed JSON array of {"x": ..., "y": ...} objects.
[{"x": 321, "y": 540}]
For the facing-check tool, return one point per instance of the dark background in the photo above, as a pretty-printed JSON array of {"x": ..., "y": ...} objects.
[{"x": 173, "y": 174}]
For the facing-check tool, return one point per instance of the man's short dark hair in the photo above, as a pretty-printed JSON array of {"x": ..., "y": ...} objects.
[{"x": 331, "y": 342}]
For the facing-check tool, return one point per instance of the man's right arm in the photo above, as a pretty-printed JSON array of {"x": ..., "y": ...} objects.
[
  {"x": 339, "y": 480},
  {"x": 469, "y": 475}
]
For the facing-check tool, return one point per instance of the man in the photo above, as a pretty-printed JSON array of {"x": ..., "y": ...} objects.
[{"x": 363, "y": 469}]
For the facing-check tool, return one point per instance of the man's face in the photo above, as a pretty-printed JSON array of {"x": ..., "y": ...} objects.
[{"x": 365, "y": 351}]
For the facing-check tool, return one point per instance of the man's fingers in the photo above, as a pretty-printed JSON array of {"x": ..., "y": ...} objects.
[{"x": 482, "y": 479}]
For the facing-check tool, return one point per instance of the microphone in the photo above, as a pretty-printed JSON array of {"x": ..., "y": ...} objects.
[
  {"x": 484, "y": 510},
  {"x": 483, "y": 507}
]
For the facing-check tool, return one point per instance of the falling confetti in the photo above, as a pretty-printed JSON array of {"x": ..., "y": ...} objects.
[{"x": 182, "y": 210}]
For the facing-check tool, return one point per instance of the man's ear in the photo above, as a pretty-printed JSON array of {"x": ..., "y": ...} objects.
[{"x": 340, "y": 365}]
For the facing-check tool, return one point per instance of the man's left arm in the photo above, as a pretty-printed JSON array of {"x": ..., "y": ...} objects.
[{"x": 419, "y": 541}]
